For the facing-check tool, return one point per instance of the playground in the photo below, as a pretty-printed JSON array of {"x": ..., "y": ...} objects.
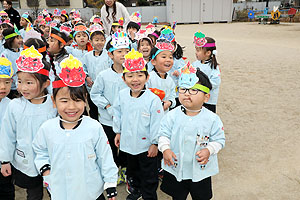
[{"x": 259, "y": 106}]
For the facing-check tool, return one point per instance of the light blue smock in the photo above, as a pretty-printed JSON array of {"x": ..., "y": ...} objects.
[{"x": 3, "y": 106}]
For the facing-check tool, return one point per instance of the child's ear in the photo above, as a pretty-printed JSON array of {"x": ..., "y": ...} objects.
[
  {"x": 46, "y": 84},
  {"x": 53, "y": 101},
  {"x": 206, "y": 98},
  {"x": 153, "y": 62},
  {"x": 61, "y": 45},
  {"x": 208, "y": 53},
  {"x": 110, "y": 55}
]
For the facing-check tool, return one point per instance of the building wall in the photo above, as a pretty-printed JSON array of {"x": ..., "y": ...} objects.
[{"x": 73, "y": 4}]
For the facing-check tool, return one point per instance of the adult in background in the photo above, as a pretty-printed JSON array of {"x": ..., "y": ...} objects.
[
  {"x": 12, "y": 13},
  {"x": 112, "y": 11}
]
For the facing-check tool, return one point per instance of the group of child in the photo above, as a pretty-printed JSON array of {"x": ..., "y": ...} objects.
[{"x": 148, "y": 109}]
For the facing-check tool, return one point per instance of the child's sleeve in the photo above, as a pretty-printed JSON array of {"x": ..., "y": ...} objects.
[
  {"x": 217, "y": 137},
  {"x": 165, "y": 132},
  {"x": 173, "y": 95},
  {"x": 215, "y": 77},
  {"x": 39, "y": 146},
  {"x": 108, "y": 168},
  {"x": 97, "y": 93},
  {"x": 117, "y": 115},
  {"x": 84, "y": 62},
  {"x": 8, "y": 135},
  {"x": 156, "y": 116}
]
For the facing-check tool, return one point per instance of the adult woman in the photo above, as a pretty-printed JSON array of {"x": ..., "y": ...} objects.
[
  {"x": 12, "y": 13},
  {"x": 113, "y": 11}
]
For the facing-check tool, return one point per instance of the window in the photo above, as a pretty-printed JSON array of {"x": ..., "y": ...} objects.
[{"x": 57, "y": 2}]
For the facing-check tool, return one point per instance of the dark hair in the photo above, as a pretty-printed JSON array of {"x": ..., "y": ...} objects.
[
  {"x": 97, "y": 33},
  {"x": 113, "y": 13},
  {"x": 65, "y": 16},
  {"x": 203, "y": 79},
  {"x": 75, "y": 92},
  {"x": 5, "y": 26},
  {"x": 145, "y": 72},
  {"x": 8, "y": 2},
  {"x": 144, "y": 39},
  {"x": 60, "y": 34},
  {"x": 29, "y": 18},
  {"x": 37, "y": 44},
  {"x": 114, "y": 26},
  {"x": 178, "y": 52},
  {"x": 133, "y": 25},
  {"x": 108, "y": 45},
  {"x": 214, "y": 62},
  {"x": 9, "y": 41},
  {"x": 153, "y": 37}
]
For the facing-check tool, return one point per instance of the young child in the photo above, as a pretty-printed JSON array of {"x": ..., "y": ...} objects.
[
  {"x": 95, "y": 62},
  {"x": 105, "y": 90},
  {"x": 144, "y": 44},
  {"x": 133, "y": 27},
  {"x": 72, "y": 145},
  {"x": 82, "y": 46},
  {"x": 25, "y": 20},
  {"x": 57, "y": 16},
  {"x": 137, "y": 115},
  {"x": 12, "y": 47},
  {"x": 206, "y": 61},
  {"x": 7, "y": 190},
  {"x": 190, "y": 138},
  {"x": 3, "y": 26},
  {"x": 21, "y": 121},
  {"x": 162, "y": 60}
]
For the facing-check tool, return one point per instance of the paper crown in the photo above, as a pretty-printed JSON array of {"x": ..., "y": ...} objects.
[
  {"x": 95, "y": 27},
  {"x": 71, "y": 74},
  {"x": 64, "y": 12},
  {"x": 66, "y": 28},
  {"x": 141, "y": 34},
  {"x": 188, "y": 77},
  {"x": 31, "y": 33},
  {"x": 136, "y": 17},
  {"x": 120, "y": 40},
  {"x": 40, "y": 17},
  {"x": 168, "y": 34},
  {"x": 45, "y": 12},
  {"x": 80, "y": 27},
  {"x": 6, "y": 70},
  {"x": 164, "y": 44},
  {"x": 150, "y": 28},
  {"x": 3, "y": 13},
  {"x": 134, "y": 62},
  {"x": 30, "y": 60},
  {"x": 25, "y": 15},
  {"x": 121, "y": 21},
  {"x": 95, "y": 19},
  {"x": 76, "y": 15},
  {"x": 56, "y": 12},
  {"x": 199, "y": 39}
]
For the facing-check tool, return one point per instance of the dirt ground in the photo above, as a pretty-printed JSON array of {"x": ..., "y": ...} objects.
[{"x": 259, "y": 106}]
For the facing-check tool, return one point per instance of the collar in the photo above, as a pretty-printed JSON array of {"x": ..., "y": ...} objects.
[
  {"x": 158, "y": 74},
  {"x": 207, "y": 61},
  {"x": 141, "y": 93},
  {"x": 95, "y": 52},
  {"x": 78, "y": 123}
]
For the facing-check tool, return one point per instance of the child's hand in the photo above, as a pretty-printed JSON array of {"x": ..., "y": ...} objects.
[
  {"x": 6, "y": 169},
  {"x": 203, "y": 156},
  {"x": 113, "y": 198},
  {"x": 152, "y": 151},
  {"x": 176, "y": 73},
  {"x": 117, "y": 139},
  {"x": 89, "y": 81},
  {"x": 167, "y": 104},
  {"x": 46, "y": 173},
  {"x": 168, "y": 157}
]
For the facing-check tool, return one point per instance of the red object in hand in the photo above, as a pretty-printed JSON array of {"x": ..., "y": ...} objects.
[{"x": 160, "y": 93}]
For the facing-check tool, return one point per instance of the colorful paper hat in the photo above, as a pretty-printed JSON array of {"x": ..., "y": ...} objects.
[
  {"x": 136, "y": 17},
  {"x": 40, "y": 17},
  {"x": 71, "y": 74},
  {"x": 66, "y": 28},
  {"x": 134, "y": 62},
  {"x": 95, "y": 19},
  {"x": 150, "y": 28},
  {"x": 120, "y": 40},
  {"x": 6, "y": 70},
  {"x": 168, "y": 34},
  {"x": 16, "y": 33},
  {"x": 141, "y": 34},
  {"x": 160, "y": 93},
  {"x": 174, "y": 25},
  {"x": 121, "y": 21},
  {"x": 95, "y": 27},
  {"x": 3, "y": 13},
  {"x": 76, "y": 15},
  {"x": 56, "y": 12},
  {"x": 64, "y": 12},
  {"x": 31, "y": 33},
  {"x": 30, "y": 60},
  {"x": 200, "y": 41},
  {"x": 45, "y": 12},
  {"x": 80, "y": 27}
]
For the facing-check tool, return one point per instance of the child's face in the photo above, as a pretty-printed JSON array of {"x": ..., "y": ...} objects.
[
  {"x": 29, "y": 86},
  {"x": 145, "y": 48},
  {"x": 201, "y": 54},
  {"x": 98, "y": 42},
  {"x": 23, "y": 22},
  {"x": 132, "y": 32},
  {"x": 114, "y": 29},
  {"x": 163, "y": 62},
  {"x": 81, "y": 38},
  {"x": 67, "y": 108},
  {"x": 57, "y": 18},
  {"x": 46, "y": 31},
  {"x": 192, "y": 102},
  {"x": 118, "y": 55},
  {"x": 54, "y": 46},
  {"x": 17, "y": 42},
  {"x": 5, "y": 85},
  {"x": 135, "y": 80}
]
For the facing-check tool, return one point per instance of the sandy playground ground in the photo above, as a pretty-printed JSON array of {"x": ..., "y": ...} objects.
[{"x": 259, "y": 106}]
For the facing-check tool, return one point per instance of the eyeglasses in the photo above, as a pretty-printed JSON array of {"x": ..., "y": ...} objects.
[{"x": 191, "y": 91}]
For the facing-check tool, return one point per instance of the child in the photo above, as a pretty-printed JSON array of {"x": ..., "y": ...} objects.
[
  {"x": 137, "y": 115},
  {"x": 105, "y": 90},
  {"x": 81, "y": 37},
  {"x": 64, "y": 16},
  {"x": 2, "y": 40},
  {"x": 94, "y": 62},
  {"x": 12, "y": 45},
  {"x": 72, "y": 145},
  {"x": 162, "y": 60},
  {"x": 144, "y": 44},
  {"x": 190, "y": 138},
  {"x": 133, "y": 27},
  {"x": 7, "y": 189},
  {"x": 57, "y": 16},
  {"x": 25, "y": 20},
  {"x": 206, "y": 61},
  {"x": 21, "y": 121}
]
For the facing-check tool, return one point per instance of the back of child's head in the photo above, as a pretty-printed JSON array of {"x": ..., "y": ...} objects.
[
  {"x": 203, "y": 79},
  {"x": 61, "y": 35},
  {"x": 9, "y": 36},
  {"x": 212, "y": 49},
  {"x": 4, "y": 26},
  {"x": 40, "y": 45},
  {"x": 178, "y": 53}
]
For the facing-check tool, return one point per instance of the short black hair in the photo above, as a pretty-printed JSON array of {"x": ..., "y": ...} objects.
[
  {"x": 133, "y": 25},
  {"x": 178, "y": 53},
  {"x": 203, "y": 79},
  {"x": 145, "y": 72},
  {"x": 97, "y": 33},
  {"x": 8, "y": 2},
  {"x": 75, "y": 92},
  {"x": 60, "y": 34},
  {"x": 108, "y": 45},
  {"x": 9, "y": 41}
]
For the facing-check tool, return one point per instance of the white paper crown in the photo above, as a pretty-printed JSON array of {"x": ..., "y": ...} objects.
[{"x": 120, "y": 40}]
